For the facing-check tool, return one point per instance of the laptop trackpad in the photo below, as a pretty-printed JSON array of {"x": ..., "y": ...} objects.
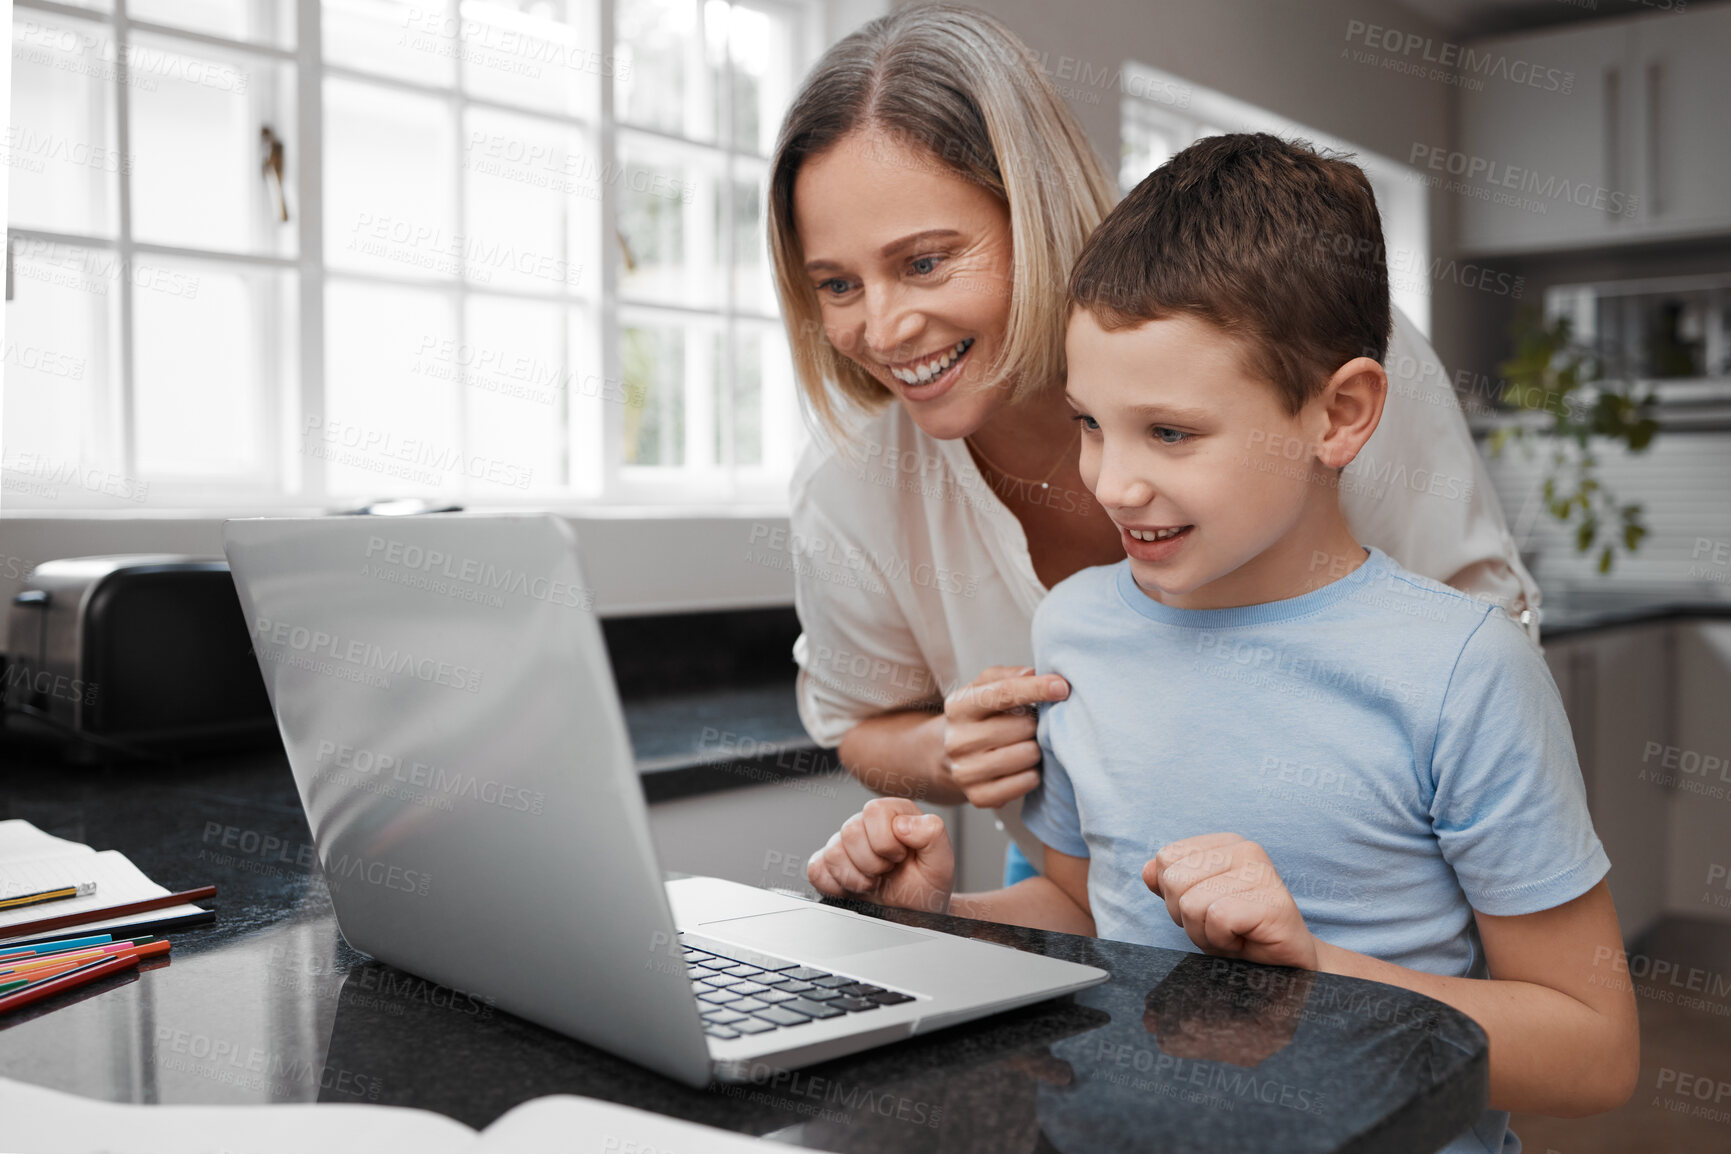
[{"x": 812, "y": 934}]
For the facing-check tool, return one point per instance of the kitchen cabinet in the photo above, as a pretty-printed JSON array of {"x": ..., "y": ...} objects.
[
  {"x": 1683, "y": 66},
  {"x": 1700, "y": 830},
  {"x": 1616, "y": 686},
  {"x": 1518, "y": 144},
  {"x": 1635, "y": 150}
]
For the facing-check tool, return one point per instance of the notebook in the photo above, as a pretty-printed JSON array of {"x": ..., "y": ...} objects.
[
  {"x": 34, "y": 1120},
  {"x": 32, "y": 861}
]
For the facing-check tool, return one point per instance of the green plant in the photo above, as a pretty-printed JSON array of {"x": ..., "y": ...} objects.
[{"x": 1554, "y": 374}]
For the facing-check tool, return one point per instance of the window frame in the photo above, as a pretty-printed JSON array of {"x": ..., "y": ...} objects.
[
  {"x": 289, "y": 478},
  {"x": 1165, "y": 100}
]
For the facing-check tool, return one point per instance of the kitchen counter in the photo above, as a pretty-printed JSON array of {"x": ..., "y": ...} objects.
[
  {"x": 700, "y": 741},
  {"x": 1177, "y": 1053},
  {"x": 1584, "y": 610}
]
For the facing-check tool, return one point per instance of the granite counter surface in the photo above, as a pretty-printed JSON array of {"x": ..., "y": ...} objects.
[{"x": 1178, "y": 1052}]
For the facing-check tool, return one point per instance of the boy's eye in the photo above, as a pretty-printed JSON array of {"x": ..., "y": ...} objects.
[
  {"x": 1088, "y": 422},
  {"x": 1169, "y": 436}
]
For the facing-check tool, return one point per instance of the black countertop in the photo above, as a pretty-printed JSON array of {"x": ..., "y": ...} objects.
[
  {"x": 709, "y": 700},
  {"x": 700, "y": 741},
  {"x": 1579, "y": 611},
  {"x": 1177, "y": 1052}
]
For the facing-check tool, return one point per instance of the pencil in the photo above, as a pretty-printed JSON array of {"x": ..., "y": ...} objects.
[
  {"x": 77, "y": 890},
  {"x": 71, "y": 979},
  {"x": 29, "y": 977},
  {"x": 20, "y": 981},
  {"x": 27, "y": 965},
  {"x": 83, "y": 917},
  {"x": 148, "y": 950},
  {"x": 13, "y": 953}
]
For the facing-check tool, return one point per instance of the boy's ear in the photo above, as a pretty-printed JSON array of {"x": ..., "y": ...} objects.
[{"x": 1351, "y": 407}]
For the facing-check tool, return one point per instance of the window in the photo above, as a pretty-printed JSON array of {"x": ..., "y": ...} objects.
[
  {"x": 269, "y": 252},
  {"x": 1162, "y": 114}
]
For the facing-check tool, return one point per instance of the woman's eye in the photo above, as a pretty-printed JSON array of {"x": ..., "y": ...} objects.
[
  {"x": 925, "y": 265},
  {"x": 1088, "y": 422},
  {"x": 1169, "y": 436},
  {"x": 835, "y": 286}
]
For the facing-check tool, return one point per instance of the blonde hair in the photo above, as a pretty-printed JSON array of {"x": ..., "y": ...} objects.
[{"x": 956, "y": 85}]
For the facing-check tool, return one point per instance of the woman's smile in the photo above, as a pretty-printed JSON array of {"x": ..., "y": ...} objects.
[{"x": 931, "y": 377}]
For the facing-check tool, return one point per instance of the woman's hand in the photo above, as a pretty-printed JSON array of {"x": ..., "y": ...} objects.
[
  {"x": 989, "y": 746},
  {"x": 1222, "y": 890},
  {"x": 891, "y": 853}
]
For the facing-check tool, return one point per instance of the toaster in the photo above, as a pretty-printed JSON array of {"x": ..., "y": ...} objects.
[{"x": 138, "y": 653}]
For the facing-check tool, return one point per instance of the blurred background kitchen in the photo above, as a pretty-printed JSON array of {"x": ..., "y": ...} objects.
[{"x": 267, "y": 256}]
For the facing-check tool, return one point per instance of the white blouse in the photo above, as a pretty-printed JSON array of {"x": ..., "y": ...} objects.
[{"x": 912, "y": 576}]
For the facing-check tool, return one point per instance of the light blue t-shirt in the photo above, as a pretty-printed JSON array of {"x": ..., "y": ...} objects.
[{"x": 1398, "y": 748}]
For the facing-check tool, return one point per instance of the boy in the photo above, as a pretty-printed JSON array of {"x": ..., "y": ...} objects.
[{"x": 1279, "y": 745}]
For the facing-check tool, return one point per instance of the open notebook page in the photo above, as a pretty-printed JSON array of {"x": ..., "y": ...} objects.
[
  {"x": 19, "y": 839},
  {"x": 34, "y": 1120},
  {"x": 117, "y": 881},
  {"x": 574, "y": 1125}
]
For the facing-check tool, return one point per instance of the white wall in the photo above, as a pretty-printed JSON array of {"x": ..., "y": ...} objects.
[
  {"x": 1286, "y": 57},
  {"x": 636, "y": 562},
  {"x": 1683, "y": 485}
]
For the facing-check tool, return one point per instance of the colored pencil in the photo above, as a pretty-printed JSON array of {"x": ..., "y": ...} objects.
[
  {"x": 158, "y": 924},
  {"x": 71, "y": 979},
  {"x": 84, "y": 955},
  {"x": 56, "y": 947},
  {"x": 24, "y": 980},
  {"x": 60, "y": 893},
  {"x": 31, "y": 977},
  {"x": 83, "y": 917}
]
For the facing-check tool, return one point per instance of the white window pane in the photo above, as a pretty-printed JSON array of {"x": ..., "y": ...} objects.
[
  {"x": 61, "y": 153},
  {"x": 387, "y": 430},
  {"x": 761, "y": 44},
  {"x": 753, "y": 286},
  {"x": 516, "y": 373},
  {"x": 746, "y": 417},
  {"x": 389, "y": 176},
  {"x": 669, "y": 53},
  {"x": 669, "y": 201},
  {"x": 415, "y": 41},
  {"x": 60, "y": 379},
  {"x": 211, "y": 362},
  {"x": 767, "y": 414},
  {"x": 1146, "y": 144},
  {"x": 543, "y": 54},
  {"x": 654, "y": 361},
  {"x": 256, "y": 21},
  {"x": 532, "y": 202},
  {"x": 198, "y": 176},
  {"x": 593, "y": 403}
]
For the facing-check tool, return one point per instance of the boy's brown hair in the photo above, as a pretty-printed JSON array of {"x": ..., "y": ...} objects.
[{"x": 1275, "y": 244}]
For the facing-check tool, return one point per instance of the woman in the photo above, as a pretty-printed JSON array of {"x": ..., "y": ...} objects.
[{"x": 928, "y": 195}]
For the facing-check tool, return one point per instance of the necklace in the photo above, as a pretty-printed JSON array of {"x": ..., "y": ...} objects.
[{"x": 1043, "y": 482}]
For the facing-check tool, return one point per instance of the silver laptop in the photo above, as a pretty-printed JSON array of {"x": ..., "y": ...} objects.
[{"x": 450, "y": 715}]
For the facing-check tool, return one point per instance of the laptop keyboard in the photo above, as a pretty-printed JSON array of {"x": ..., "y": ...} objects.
[{"x": 736, "y": 997}]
